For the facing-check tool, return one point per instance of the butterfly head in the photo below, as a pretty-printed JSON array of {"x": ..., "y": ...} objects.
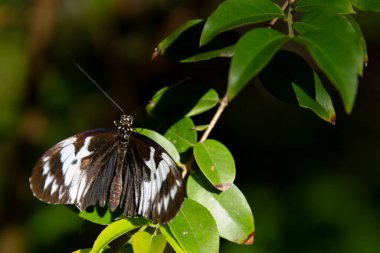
[
  {"x": 124, "y": 126},
  {"x": 126, "y": 121}
]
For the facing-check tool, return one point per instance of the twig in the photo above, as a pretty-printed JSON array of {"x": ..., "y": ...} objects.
[
  {"x": 283, "y": 7},
  {"x": 222, "y": 105},
  {"x": 290, "y": 22}
]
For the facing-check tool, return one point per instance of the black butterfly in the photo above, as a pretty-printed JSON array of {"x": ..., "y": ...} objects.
[{"x": 115, "y": 166}]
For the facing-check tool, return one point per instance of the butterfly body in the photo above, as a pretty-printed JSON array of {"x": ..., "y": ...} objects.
[{"x": 120, "y": 167}]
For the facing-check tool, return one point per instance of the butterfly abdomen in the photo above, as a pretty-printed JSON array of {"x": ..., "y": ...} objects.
[{"x": 117, "y": 181}]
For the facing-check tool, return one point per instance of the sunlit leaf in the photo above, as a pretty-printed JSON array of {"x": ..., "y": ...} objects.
[
  {"x": 344, "y": 27},
  {"x": 201, "y": 128},
  {"x": 82, "y": 251},
  {"x": 104, "y": 250},
  {"x": 367, "y": 5},
  {"x": 143, "y": 242},
  {"x": 98, "y": 214},
  {"x": 223, "y": 52},
  {"x": 289, "y": 78},
  {"x": 216, "y": 163},
  {"x": 253, "y": 51},
  {"x": 205, "y": 103},
  {"x": 362, "y": 42},
  {"x": 114, "y": 230},
  {"x": 169, "y": 40},
  {"x": 234, "y": 13},
  {"x": 182, "y": 134},
  {"x": 180, "y": 101},
  {"x": 334, "y": 6},
  {"x": 165, "y": 230},
  {"x": 230, "y": 210},
  {"x": 195, "y": 229},
  {"x": 165, "y": 143},
  {"x": 337, "y": 48},
  {"x": 183, "y": 44}
]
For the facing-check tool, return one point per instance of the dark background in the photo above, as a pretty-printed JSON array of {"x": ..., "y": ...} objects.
[{"x": 313, "y": 187}]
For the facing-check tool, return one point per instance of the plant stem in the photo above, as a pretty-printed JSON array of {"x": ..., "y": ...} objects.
[
  {"x": 283, "y": 7},
  {"x": 290, "y": 22},
  {"x": 222, "y": 105}
]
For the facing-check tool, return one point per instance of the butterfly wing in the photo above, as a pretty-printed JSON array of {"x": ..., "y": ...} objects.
[
  {"x": 157, "y": 191},
  {"x": 95, "y": 167},
  {"x": 77, "y": 170}
]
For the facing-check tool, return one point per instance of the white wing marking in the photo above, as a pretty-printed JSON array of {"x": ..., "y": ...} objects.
[
  {"x": 159, "y": 206},
  {"x": 166, "y": 201},
  {"x": 46, "y": 167},
  {"x": 54, "y": 187},
  {"x": 48, "y": 180},
  {"x": 173, "y": 191},
  {"x": 74, "y": 178},
  {"x": 150, "y": 162}
]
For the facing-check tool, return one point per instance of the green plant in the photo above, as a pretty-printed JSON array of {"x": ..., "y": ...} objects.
[{"x": 214, "y": 206}]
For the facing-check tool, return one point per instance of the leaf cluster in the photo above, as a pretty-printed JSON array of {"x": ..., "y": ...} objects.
[{"x": 215, "y": 208}]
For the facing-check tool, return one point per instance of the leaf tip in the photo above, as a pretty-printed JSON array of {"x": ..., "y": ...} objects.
[
  {"x": 332, "y": 119},
  {"x": 250, "y": 239},
  {"x": 156, "y": 53},
  {"x": 223, "y": 187},
  {"x": 204, "y": 35}
]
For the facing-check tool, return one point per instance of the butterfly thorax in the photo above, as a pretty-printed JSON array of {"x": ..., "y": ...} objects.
[{"x": 124, "y": 127}]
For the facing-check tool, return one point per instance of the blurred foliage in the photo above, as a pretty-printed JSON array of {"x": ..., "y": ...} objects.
[{"x": 313, "y": 187}]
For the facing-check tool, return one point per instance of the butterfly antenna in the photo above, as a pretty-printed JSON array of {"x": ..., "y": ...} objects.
[{"x": 100, "y": 88}]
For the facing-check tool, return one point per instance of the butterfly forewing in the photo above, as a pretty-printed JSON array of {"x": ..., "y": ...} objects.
[
  {"x": 66, "y": 172},
  {"x": 96, "y": 166}
]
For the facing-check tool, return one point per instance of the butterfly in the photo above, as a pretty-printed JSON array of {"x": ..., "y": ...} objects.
[{"x": 118, "y": 167}]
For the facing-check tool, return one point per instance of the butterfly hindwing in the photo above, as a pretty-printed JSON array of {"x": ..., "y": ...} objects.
[
  {"x": 158, "y": 186},
  {"x": 68, "y": 172}
]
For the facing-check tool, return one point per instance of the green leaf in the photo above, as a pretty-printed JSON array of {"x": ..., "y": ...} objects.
[
  {"x": 195, "y": 229},
  {"x": 223, "y": 52},
  {"x": 230, "y": 210},
  {"x": 201, "y": 128},
  {"x": 362, "y": 42},
  {"x": 169, "y": 40},
  {"x": 337, "y": 49},
  {"x": 336, "y": 61},
  {"x": 332, "y": 6},
  {"x": 182, "y": 134},
  {"x": 82, "y": 251},
  {"x": 114, "y": 230},
  {"x": 104, "y": 250},
  {"x": 367, "y": 5},
  {"x": 165, "y": 230},
  {"x": 165, "y": 143},
  {"x": 321, "y": 105},
  {"x": 216, "y": 163},
  {"x": 183, "y": 44},
  {"x": 289, "y": 78},
  {"x": 99, "y": 215},
  {"x": 143, "y": 242},
  {"x": 344, "y": 27},
  {"x": 182, "y": 100},
  {"x": 253, "y": 51},
  {"x": 205, "y": 103},
  {"x": 234, "y": 13}
]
